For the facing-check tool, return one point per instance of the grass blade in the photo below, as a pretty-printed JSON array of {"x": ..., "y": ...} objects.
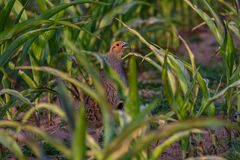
[
  {"x": 4, "y": 14},
  {"x": 79, "y": 137},
  {"x": 121, "y": 9},
  {"x": 9, "y": 52},
  {"x": 66, "y": 104},
  {"x": 51, "y": 107},
  {"x": 7, "y": 141},
  {"x": 177, "y": 127},
  {"x": 132, "y": 103},
  {"x": 15, "y": 94}
]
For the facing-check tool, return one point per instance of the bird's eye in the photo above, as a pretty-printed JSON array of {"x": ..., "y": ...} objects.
[{"x": 118, "y": 44}]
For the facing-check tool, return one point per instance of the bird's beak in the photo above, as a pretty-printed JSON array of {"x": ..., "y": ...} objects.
[{"x": 126, "y": 46}]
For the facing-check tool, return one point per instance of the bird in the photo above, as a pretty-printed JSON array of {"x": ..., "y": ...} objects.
[{"x": 113, "y": 59}]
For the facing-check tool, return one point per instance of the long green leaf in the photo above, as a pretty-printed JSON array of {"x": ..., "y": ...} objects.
[
  {"x": 177, "y": 127},
  {"x": 51, "y": 107},
  {"x": 121, "y": 9},
  {"x": 174, "y": 64},
  {"x": 161, "y": 148},
  {"x": 79, "y": 137},
  {"x": 22, "y": 12},
  {"x": 56, "y": 143},
  {"x": 65, "y": 77},
  {"x": 16, "y": 94},
  {"x": 208, "y": 21},
  {"x": 63, "y": 6},
  {"x": 215, "y": 15},
  {"x": 132, "y": 103},
  {"x": 123, "y": 140},
  {"x": 9, "y": 52},
  {"x": 4, "y": 14},
  {"x": 7, "y": 141},
  {"x": 66, "y": 104}
]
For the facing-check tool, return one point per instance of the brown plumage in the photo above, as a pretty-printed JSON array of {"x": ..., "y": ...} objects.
[{"x": 94, "y": 115}]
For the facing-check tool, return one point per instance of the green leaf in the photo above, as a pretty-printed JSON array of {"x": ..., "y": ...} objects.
[
  {"x": 121, "y": 9},
  {"x": 7, "y": 141},
  {"x": 209, "y": 101},
  {"x": 66, "y": 103},
  {"x": 178, "y": 127},
  {"x": 175, "y": 65},
  {"x": 4, "y": 14},
  {"x": 15, "y": 94},
  {"x": 218, "y": 22},
  {"x": 79, "y": 136},
  {"x": 145, "y": 58},
  {"x": 129, "y": 132},
  {"x": 42, "y": 19},
  {"x": 227, "y": 51},
  {"x": 27, "y": 79},
  {"x": 63, "y": 6},
  {"x": 169, "y": 92},
  {"x": 166, "y": 143},
  {"x": 42, "y": 5},
  {"x": 51, "y": 107},
  {"x": 190, "y": 54},
  {"x": 65, "y": 77},
  {"x": 56, "y": 143},
  {"x": 132, "y": 103},
  {"x": 9, "y": 52},
  {"x": 209, "y": 21},
  {"x": 21, "y": 28},
  {"x": 22, "y": 14}
]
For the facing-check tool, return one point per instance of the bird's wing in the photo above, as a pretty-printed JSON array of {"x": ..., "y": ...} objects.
[
  {"x": 124, "y": 75},
  {"x": 94, "y": 115}
]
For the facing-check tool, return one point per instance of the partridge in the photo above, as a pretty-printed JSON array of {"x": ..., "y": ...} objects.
[{"x": 114, "y": 56}]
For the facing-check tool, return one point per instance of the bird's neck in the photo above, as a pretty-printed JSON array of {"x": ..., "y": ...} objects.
[{"x": 114, "y": 61}]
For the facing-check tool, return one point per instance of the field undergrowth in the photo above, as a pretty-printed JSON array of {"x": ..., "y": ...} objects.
[{"x": 51, "y": 54}]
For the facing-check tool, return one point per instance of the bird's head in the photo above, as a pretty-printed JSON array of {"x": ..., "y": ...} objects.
[{"x": 118, "y": 48}]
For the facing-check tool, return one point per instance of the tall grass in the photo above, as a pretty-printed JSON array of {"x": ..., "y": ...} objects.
[
  {"x": 53, "y": 49},
  {"x": 222, "y": 32}
]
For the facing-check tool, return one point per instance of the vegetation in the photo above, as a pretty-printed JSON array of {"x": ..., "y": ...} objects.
[{"x": 52, "y": 51}]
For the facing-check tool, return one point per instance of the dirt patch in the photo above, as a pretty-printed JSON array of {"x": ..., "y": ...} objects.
[
  {"x": 203, "y": 45},
  {"x": 202, "y": 144}
]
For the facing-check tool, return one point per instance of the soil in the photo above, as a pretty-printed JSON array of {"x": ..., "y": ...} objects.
[
  {"x": 203, "y": 45},
  {"x": 203, "y": 144}
]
